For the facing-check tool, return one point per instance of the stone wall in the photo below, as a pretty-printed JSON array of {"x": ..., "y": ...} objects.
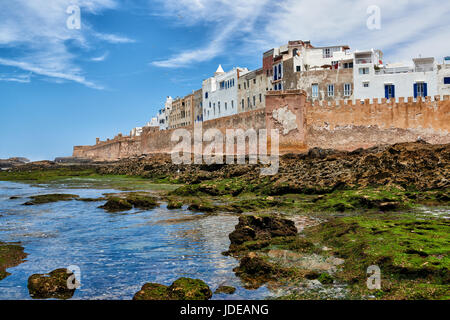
[
  {"x": 349, "y": 126},
  {"x": 303, "y": 125}
]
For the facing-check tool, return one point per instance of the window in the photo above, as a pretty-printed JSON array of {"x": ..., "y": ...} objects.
[
  {"x": 218, "y": 106},
  {"x": 242, "y": 103},
  {"x": 446, "y": 80},
  {"x": 365, "y": 84},
  {"x": 239, "y": 86},
  {"x": 348, "y": 65},
  {"x": 330, "y": 90},
  {"x": 363, "y": 70},
  {"x": 232, "y": 104},
  {"x": 225, "y": 106},
  {"x": 254, "y": 100},
  {"x": 347, "y": 89},
  {"x": 206, "y": 95},
  {"x": 245, "y": 87},
  {"x": 298, "y": 68},
  {"x": 254, "y": 81},
  {"x": 275, "y": 73},
  {"x": 326, "y": 53},
  {"x": 315, "y": 90},
  {"x": 389, "y": 91},
  {"x": 420, "y": 89},
  {"x": 260, "y": 97},
  {"x": 248, "y": 102}
]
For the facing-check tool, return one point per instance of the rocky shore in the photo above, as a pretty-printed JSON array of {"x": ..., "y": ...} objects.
[{"x": 308, "y": 232}]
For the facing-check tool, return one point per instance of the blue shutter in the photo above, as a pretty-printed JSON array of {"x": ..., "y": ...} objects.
[
  {"x": 415, "y": 90},
  {"x": 386, "y": 91},
  {"x": 425, "y": 91},
  {"x": 393, "y": 91}
]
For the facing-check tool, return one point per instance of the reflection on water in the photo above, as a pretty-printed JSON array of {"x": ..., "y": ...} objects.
[{"x": 117, "y": 253}]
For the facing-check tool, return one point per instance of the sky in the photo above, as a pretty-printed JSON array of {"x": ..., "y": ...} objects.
[{"x": 61, "y": 85}]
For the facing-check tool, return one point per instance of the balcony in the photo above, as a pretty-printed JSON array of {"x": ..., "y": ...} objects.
[{"x": 363, "y": 60}]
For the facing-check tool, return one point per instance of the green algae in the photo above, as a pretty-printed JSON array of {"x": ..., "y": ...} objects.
[{"x": 49, "y": 198}]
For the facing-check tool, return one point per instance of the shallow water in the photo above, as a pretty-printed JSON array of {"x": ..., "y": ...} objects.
[{"x": 116, "y": 252}]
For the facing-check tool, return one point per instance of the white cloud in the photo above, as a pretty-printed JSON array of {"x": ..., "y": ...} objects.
[
  {"x": 37, "y": 32},
  {"x": 21, "y": 78},
  {"x": 408, "y": 27},
  {"x": 100, "y": 58},
  {"x": 112, "y": 38},
  {"x": 227, "y": 20}
]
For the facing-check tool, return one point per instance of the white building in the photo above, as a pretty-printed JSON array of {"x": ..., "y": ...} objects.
[
  {"x": 220, "y": 93},
  {"x": 307, "y": 58},
  {"x": 372, "y": 79},
  {"x": 136, "y": 132},
  {"x": 163, "y": 114},
  {"x": 153, "y": 123},
  {"x": 443, "y": 77}
]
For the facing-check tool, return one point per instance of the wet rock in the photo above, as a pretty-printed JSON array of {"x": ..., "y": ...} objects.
[
  {"x": 142, "y": 201},
  {"x": 181, "y": 289},
  {"x": 49, "y": 198},
  {"x": 225, "y": 289},
  {"x": 153, "y": 291},
  {"x": 173, "y": 204},
  {"x": 253, "y": 228},
  {"x": 202, "y": 207},
  {"x": 253, "y": 265},
  {"x": 14, "y": 198},
  {"x": 116, "y": 205},
  {"x": 52, "y": 285},
  {"x": 190, "y": 289},
  {"x": 11, "y": 255}
]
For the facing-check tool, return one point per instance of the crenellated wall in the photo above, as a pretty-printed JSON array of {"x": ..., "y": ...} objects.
[
  {"x": 349, "y": 126},
  {"x": 338, "y": 125}
]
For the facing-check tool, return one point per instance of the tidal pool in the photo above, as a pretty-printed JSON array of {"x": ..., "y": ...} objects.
[{"x": 116, "y": 253}]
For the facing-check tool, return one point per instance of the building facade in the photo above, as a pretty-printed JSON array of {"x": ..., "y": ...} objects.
[
  {"x": 252, "y": 88},
  {"x": 443, "y": 77},
  {"x": 198, "y": 105},
  {"x": 220, "y": 93},
  {"x": 182, "y": 114},
  {"x": 372, "y": 79},
  {"x": 163, "y": 114}
]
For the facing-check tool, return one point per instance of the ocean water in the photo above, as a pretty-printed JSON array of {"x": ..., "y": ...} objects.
[{"x": 116, "y": 253}]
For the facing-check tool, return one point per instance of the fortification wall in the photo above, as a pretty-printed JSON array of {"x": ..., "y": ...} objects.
[
  {"x": 349, "y": 126},
  {"x": 303, "y": 125}
]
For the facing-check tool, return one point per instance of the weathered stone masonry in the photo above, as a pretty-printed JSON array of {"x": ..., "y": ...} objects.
[{"x": 304, "y": 125}]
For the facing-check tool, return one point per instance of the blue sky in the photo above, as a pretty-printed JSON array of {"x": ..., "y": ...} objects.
[{"x": 61, "y": 87}]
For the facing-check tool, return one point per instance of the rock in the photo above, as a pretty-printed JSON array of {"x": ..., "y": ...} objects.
[
  {"x": 225, "y": 289},
  {"x": 142, "y": 201},
  {"x": 202, "y": 207},
  {"x": 116, "y": 205},
  {"x": 153, "y": 291},
  {"x": 190, "y": 289},
  {"x": 252, "y": 228},
  {"x": 51, "y": 285},
  {"x": 172, "y": 204},
  {"x": 11, "y": 255},
  {"x": 49, "y": 198},
  {"x": 253, "y": 265},
  {"x": 181, "y": 289}
]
